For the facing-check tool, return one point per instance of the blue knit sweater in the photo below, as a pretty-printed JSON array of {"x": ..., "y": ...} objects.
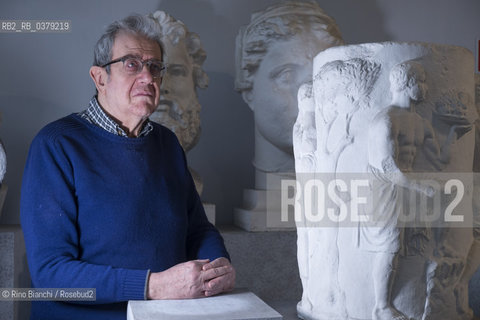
[{"x": 99, "y": 210}]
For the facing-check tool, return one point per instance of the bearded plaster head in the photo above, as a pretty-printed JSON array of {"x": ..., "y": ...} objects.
[{"x": 179, "y": 109}]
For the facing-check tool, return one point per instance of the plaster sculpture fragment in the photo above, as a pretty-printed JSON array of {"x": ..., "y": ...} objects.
[{"x": 389, "y": 111}]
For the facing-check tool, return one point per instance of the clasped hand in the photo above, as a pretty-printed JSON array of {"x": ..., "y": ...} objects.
[{"x": 192, "y": 279}]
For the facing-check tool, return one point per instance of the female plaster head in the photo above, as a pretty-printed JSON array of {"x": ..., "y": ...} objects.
[{"x": 274, "y": 56}]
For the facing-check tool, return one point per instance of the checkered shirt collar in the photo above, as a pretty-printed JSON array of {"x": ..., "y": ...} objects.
[{"x": 95, "y": 115}]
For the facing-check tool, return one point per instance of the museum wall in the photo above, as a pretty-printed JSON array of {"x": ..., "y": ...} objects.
[{"x": 45, "y": 76}]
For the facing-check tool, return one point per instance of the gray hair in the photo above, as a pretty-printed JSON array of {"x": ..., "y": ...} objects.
[
  {"x": 143, "y": 25},
  {"x": 175, "y": 30},
  {"x": 278, "y": 22},
  {"x": 405, "y": 75}
]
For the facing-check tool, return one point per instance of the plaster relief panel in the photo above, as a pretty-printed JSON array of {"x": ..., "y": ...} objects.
[{"x": 395, "y": 120}]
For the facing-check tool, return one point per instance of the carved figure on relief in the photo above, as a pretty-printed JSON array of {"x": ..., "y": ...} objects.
[
  {"x": 451, "y": 109},
  {"x": 326, "y": 107},
  {"x": 179, "y": 108},
  {"x": 395, "y": 136},
  {"x": 343, "y": 87},
  {"x": 304, "y": 131},
  {"x": 274, "y": 56}
]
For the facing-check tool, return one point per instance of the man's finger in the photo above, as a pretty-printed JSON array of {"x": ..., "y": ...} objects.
[
  {"x": 213, "y": 287},
  {"x": 216, "y": 272},
  {"x": 223, "y": 282},
  {"x": 209, "y": 293},
  {"x": 219, "y": 285},
  {"x": 216, "y": 263}
]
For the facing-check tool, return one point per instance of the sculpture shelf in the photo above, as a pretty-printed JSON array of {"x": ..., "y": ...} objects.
[{"x": 401, "y": 117}]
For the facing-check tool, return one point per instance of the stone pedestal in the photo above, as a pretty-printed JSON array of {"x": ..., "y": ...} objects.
[
  {"x": 252, "y": 217},
  {"x": 261, "y": 211},
  {"x": 237, "y": 305}
]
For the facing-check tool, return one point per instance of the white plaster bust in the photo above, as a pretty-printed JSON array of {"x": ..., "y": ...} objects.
[
  {"x": 179, "y": 108},
  {"x": 273, "y": 58},
  {"x": 389, "y": 110}
]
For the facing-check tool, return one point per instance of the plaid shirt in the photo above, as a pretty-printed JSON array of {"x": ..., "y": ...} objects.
[{"x": 95, "y": 115}]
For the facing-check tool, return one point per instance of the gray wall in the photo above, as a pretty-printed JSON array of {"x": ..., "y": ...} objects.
[{"x": 45, "y": 76}]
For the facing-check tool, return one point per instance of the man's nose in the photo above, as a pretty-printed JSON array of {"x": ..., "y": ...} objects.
[{"x": 145, "y": 74}]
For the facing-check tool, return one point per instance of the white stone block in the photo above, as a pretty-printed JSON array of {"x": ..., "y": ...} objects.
[{"x": 238, "y": 305}]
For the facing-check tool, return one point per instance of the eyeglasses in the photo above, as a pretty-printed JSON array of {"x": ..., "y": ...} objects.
[{"x": 133, "y": 65}]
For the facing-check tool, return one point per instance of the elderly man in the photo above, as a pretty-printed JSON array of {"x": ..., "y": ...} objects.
[{"x": 107, "y": 198}]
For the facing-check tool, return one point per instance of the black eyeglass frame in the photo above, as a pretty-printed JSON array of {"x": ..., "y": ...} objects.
[{"x": 148, "y": 62}]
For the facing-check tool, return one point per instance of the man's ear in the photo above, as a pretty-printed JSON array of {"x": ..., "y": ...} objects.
[
  {"x": 247, "y": 96},
  {"x": 99, "y": 77}
]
